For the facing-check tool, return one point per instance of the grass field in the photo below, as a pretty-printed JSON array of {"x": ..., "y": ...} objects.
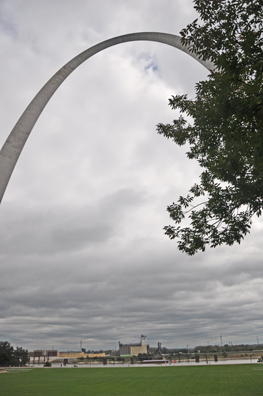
[{"x": 234, "y": 380}]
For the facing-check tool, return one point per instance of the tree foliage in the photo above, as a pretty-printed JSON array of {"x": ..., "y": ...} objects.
[
  {"x": 12, "y": 357},
  {"x": 222, "y": 125}
]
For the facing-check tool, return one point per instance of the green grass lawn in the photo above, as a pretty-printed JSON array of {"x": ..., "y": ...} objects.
[{"x": 234, "y": 380}]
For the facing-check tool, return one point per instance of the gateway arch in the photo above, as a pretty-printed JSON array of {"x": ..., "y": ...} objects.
[{"x": 15, "y": 142}]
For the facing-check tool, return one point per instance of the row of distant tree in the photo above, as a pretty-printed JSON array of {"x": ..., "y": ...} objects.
[
  {"x": 10, "y": 356},
  {"x": 229, "y": 348},
  {"x": 211, "y": 349}
]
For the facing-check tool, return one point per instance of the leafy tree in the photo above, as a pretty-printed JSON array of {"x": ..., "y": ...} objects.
[
  {"x": 223, "y": 127},
  {"x": 21, "y": 356},
  {"x": 6, "y": 353},
  {"x": 12, "y": 357}
]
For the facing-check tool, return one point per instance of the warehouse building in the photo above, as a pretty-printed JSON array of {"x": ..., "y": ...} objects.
[{"x": 133, "y": 349}]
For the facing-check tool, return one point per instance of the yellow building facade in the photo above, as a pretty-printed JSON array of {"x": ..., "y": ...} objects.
[{"x": 77, "y": 355}]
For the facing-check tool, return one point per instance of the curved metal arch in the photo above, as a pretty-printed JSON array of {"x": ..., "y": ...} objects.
[{"x": 15, "y": 142}]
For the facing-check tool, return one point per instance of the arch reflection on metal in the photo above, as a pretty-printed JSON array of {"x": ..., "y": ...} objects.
[{"x": 15, "y": 142}]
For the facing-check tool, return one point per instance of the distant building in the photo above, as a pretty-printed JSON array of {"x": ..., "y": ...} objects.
[
  {"x": 39, "y": 353},
  {"x": 45, "y": 352},
  {"x": 52, "y": 352},
  {"x": 133, "y": 349},
  {"x": 72, "y": 354}
]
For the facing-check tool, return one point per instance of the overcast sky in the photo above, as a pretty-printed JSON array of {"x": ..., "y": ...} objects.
[{"x": 82, "y": 249}]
